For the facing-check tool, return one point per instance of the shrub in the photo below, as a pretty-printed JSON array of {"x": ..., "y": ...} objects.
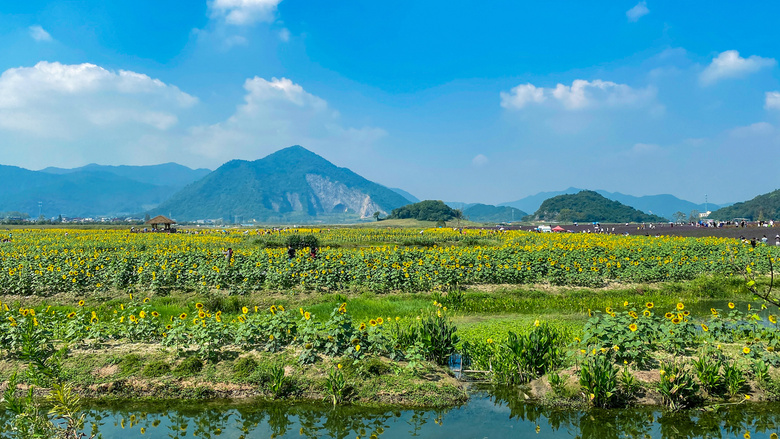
[
  {"x": 677, "y": 386},
  {"x": 189, "y": 366},
  {"x": 598, "y": 379},
  {"x": 156, "y": 369},
  {"x": 244, "y": 367}
]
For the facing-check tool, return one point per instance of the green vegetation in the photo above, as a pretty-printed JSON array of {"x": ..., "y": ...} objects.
[
  {"x": 493, "y": 214},
  {"x": 428, "y": 210},
  {"x": 589, "y": 206},
  {"x": 761, "y": 208}
]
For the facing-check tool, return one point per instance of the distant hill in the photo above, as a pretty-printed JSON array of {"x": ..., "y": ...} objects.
[
  {"x": 77, "y": 194},
  {"x": 290, "y": 185},
  {"x": 428, "y": 210},
  {"x": 171, "y": 175},
  {"x": 485, "y": 213},
  {"x": 664, "y": 205},
  {"x": 407, "y": 195},
  {"x": 589, "y": 206},
  {"x": 762, "y": 207}
]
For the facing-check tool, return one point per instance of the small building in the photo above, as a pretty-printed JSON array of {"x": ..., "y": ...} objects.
[{"x": 162, "y": 224}]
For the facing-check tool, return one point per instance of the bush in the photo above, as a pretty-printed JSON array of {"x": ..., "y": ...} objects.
[
  {"x": 244, "y": 367},
  {"x": 598, "y": 379},
  {"x": 156, "y": 369},
  {"x": 189, "y": 366}
]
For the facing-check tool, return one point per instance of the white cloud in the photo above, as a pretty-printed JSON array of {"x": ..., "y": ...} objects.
[
  {"x": 59, "y": 100},
  {"x": 480, "y": 160},
  {"x": 772, "y": 100},
  {"x": 758, "y": 129},
  {"x": 39, "y": 34},
  {"x": 581, "y": 94},
  {"x": 729, "y": 64},
  {"x": 244, "y": 12},
  {"x": 275, "y": 114},
  {"x": 284, "y": 35},
  {"x": 521, "y": 95},
  {"x": 637, "y": 12}
]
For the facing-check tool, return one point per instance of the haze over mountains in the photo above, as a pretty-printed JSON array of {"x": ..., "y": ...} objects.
[{"x": 291, "y": 185}]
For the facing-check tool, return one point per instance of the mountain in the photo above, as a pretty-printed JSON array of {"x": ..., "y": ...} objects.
[
  {"x": 664, "y": 205},
  {"x": 589, "y": 206},
  {"x": 531, "y": 203},
  {"x": 290, "y": 185},
  {"x": 485, "y": 213},
  {"x": 762, "y": 207},
  {"x": 78, "y": 194},
  {"x": 407, "y": 195},
  {"x": 171, "y": 175}
]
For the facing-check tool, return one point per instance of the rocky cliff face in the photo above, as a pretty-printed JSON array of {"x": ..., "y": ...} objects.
[{"x": 336, "y": 197}]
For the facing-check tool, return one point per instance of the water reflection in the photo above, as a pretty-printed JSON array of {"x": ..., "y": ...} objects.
[{"x": 499, "y": 413}]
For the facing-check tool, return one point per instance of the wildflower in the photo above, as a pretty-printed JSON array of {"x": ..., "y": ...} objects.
[{"x": 632, "y": 327}]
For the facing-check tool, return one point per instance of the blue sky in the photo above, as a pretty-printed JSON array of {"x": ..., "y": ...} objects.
[{"x": 461, "y": 101}]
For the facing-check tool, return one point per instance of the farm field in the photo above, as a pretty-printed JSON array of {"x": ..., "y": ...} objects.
[{"x": 374, "y": 317}]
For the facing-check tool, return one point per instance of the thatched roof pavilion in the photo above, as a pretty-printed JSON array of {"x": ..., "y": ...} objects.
[{"x": 160, "y": 220}]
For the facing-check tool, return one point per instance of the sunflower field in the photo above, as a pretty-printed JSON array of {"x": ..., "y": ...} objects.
[{"x": 44, "y": 262}]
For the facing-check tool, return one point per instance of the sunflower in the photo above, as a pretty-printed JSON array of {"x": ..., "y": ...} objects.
[
  {"x": 81, "y": 303},
  {"x": 372, "y": 322},
  {"x": 183, "y": 316},
  {"x": 357, "y": 348},
  {"x": 632, "y": 314},
  {"x": 609, "y": 310},
  {"x": 649, "y": 305},
  {"x": 646, "y": 313},
  {"x": 301, "y": 311},
  {"x": 133, "y": 318},
  {"x": 625, "y": 303},
  {"x": 201, "y": 314},
  {"x": 686, "y": 313},
  {"x": 273, "y": 309},
  {"x": 271, "y": 337},
  {"x": 668, "y": 315},
  {"x": 199, "y": 305},
  {"x": 704, "y": 327},
  {"x": 155, "y": 314},
  {"x": 731, "y": 305},
  {"x": 746, "y": 350},
  {"x": 380, "y": 320},
  {"x": 71, "y": 315},
  {"x": 680, "y": 306},
  {"x": 773, "y": 319},
  {"x": 146, "y": 300},
  {"x": 307, "y": 315},
  {"x": 632, "y": 327},
  {"x": 142, "y": 314},
  {"x": 676, "y": 320},
  {"x": 281, "y": 308},
  {"x": 244, "y": 310},
  {"x": 362, "y": 327}
]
